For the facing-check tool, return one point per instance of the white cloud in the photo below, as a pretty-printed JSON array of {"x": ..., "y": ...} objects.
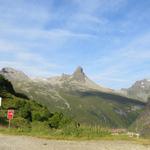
[
  {"x": 30, "y": 70},
  {"x": 125, "y": 65},
  {"x": 30, "y": 31},
  {"x": 22, "y": 13},
  {"x": 8, "y": 47}
]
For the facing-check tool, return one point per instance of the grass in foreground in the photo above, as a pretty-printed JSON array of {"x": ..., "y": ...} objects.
[{"x": 82, "y": 133}]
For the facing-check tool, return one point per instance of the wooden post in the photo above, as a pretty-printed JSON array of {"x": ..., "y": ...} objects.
[
  {"x": 9, "y": 123},
  {"x": 0, "y": 101},
  {"x": 10, "y": 114}
]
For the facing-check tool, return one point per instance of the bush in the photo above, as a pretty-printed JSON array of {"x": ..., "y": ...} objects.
[
  {"x": 55, "y": 120},
  {"x": 25, "y": 112},
  {"x": 3, "y": 118},
  {"x": 72, "y": 130},
  {"x": 41, "y": 115},
  {"x": 20, "y": 123}
]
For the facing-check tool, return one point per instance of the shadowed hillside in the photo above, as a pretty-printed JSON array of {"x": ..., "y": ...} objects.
[
  {"x": 78, "y": 97},
  {"x": 142, "y": 124},
  {"x": 28, "y": 113}
]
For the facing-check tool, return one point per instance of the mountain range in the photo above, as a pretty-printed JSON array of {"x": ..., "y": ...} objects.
[
  {"x": 28, "y": 114},
  {"x": 139, "y": 90},
  {"x": 79, "y": 97}
]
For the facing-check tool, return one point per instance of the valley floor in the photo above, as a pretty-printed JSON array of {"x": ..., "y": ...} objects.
[{"x": 30, "y": 143}]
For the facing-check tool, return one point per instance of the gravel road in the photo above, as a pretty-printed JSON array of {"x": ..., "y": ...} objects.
[{"x": 30, "y": 143}]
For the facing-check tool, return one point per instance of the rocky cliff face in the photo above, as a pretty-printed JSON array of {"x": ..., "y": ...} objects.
[
  {"x": 48, "y": 88},
  {"x": 77, "y": 81},
  {"x": 5, "y": 86},
  {"x": 139, "y": 90},
  {"x": 13, "y": 74},
  {"x": 79, "y": 75}
]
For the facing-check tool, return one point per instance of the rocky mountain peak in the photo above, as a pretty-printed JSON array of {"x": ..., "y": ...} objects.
[
  {"x": 139, "y": 90},
  {"x": 79, "y": 74},
  {"x": 8, "y": 70},
  {"x": 79, "y": 71},
  {"x": 13, "y": 74},
  {"x": 141, "y": 84}
]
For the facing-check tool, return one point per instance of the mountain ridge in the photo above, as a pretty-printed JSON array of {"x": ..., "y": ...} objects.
[
  {"x": 139, "y": 90},
  {"x": 79, "y": 97},
  {"x": 78, "y": 77}
]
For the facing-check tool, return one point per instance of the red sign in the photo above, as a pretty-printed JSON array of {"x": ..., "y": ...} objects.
[{"x": 10, "y": 114}]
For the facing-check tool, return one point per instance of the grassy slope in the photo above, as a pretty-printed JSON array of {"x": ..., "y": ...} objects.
[
  {"x": 28, "y": 113},
  {"x": 37, "y": 128},
  {"x": 98, "y": 108},
  {"x": 87, "y": 107},
  {"x": 77, "y": 101},
  {"x": 142, "y": 123}
]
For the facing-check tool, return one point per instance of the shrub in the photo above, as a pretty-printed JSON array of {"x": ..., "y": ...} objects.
[
  {"x": 20, "y": 122},
  {"x": 25, "y": 112},
  {"x": 55, "y": 120}
]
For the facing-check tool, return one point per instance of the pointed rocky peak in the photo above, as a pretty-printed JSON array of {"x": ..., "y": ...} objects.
[
  {"x": 79, "y": 74},
  {"x": 79, "y": 70},
  {"x": 11, "y": 73},
  {"x": 141, "y": 84}
]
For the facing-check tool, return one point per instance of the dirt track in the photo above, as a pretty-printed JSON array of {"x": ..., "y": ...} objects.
[{"x": 29, "y": 143}]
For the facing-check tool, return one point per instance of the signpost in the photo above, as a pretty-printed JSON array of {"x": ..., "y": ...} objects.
[
  {"x": 0, "y": 101},
  {"x": 10, "y": 114}
]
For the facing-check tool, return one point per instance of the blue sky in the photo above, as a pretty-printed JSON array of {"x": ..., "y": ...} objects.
[{"x": 110, "y": 39}]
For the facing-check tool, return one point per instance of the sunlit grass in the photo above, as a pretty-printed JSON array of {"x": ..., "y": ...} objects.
[{"x": 72, "y": 133}]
